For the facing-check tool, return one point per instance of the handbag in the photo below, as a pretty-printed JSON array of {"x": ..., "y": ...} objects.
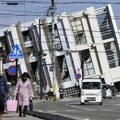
[
  {"x": 11, "y": 105},
  {"x": 30, "y": 105}
]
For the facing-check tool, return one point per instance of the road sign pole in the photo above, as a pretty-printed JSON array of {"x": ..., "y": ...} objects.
[
  {"x": 16, "y": 71},
  {"x": 16, "y": 54}
]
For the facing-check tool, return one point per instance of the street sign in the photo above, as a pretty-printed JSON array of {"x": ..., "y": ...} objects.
[
  {"x": 16, "y": 53},
  {"x": 12, "y": 70},
  {"x": 11, "y": 60},
  {"x": 78, "y": 75}
]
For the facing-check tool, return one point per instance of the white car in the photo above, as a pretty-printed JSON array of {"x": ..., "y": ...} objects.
[{"x": 91, "y": 91}]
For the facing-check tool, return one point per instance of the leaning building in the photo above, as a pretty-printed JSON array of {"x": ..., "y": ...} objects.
[{"x": 85, "y": 44}]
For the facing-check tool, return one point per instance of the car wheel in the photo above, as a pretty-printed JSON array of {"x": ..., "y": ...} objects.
[
  {"x": 101, "y": 103},
  {"x": 82, "y": 103},
  {"x": 104, "y": 97}
]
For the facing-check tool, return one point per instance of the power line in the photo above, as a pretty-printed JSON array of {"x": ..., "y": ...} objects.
[
  {"x": 87, "y": 2},
  {"x": 72, "y": 2},
  {"x": 14, "y": 10}
]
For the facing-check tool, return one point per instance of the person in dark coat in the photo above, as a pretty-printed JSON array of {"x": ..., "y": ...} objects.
[
  {"x": 3, "y": 92},
  {"x": 61, "y": 91}
]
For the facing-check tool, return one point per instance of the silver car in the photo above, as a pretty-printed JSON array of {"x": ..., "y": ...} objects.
[{"x": 107, "y": 90}]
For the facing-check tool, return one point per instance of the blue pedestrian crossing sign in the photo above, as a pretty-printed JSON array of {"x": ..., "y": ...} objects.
[{"x": 16, "y": 53}]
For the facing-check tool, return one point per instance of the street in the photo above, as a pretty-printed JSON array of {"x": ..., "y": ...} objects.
[{"x": 72, "y": 108}]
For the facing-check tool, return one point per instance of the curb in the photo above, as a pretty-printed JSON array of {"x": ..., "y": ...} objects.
[{"x": 49, "y": 116}]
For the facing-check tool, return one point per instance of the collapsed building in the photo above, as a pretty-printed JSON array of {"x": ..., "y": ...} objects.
[{"x": 86, "y": 45}]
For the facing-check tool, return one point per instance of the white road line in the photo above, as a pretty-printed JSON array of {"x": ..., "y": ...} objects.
[
  {"x": 117, "y": 105},
  {"x": 71, "y": 110},
  {"x": 106, "y": 110},
  {"x": 90, "y": 109}
]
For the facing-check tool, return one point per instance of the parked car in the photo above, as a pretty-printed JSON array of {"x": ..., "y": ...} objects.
[
  {"x": 91, "y": 91},
  {"x": 106, "y": 90}
]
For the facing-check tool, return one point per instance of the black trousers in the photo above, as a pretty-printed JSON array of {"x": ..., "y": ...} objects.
[
  {"x": 2, "y": 107},
  {"x": 24, "y": 111}
]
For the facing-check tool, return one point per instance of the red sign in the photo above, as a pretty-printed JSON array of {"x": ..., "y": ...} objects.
[
  {"x": 12, "y": 70},
  {"x": 10, "y": 60}
]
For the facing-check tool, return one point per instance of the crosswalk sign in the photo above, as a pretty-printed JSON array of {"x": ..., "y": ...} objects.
[{"x": 16, "y": 53}]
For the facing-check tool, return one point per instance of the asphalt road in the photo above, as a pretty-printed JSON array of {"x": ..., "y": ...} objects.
[{"x": 110, "y": 110}]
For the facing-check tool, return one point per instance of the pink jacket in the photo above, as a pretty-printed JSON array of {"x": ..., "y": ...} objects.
[{"x": 24, "y": 91}]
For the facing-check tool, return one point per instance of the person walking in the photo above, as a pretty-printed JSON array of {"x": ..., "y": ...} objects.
[
  {"x": 3, "y": 93},
  {"x": 24, "y": 92},
  {"x": 61, "y": 91}
]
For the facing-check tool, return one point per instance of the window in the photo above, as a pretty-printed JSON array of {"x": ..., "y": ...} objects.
[
  {"x": 4, "y": 48},
  {"x": 91, "y": 85},
  {"x": 104, "y": 25},
  {"x": 57, "y": 42},
  {"x": 87, "y": 63},
  {"x": 78, "y": 31},
  {"x": 27, "y": 36},
  {"x": 88, "y": 67},
  {"x": 62, "y": 65},
  {"x": 112, "y": 54},
  {"x": 31, "y": 51}
]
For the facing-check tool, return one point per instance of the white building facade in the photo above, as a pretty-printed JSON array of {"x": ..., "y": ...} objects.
[{"x": 86, "y": 45}]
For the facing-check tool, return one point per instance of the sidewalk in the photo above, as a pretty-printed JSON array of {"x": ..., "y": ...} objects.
[
  {"x": 32, "y": 114},
  {"x": 14, "y": 116}
]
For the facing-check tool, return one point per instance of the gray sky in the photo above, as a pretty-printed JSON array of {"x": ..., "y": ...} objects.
[{"x": 29, "y": 10}]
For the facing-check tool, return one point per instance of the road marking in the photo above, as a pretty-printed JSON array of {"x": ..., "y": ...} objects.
[
  {"x": 117, "y": 105},
  {"x": 70, "y": 110},
  {"x": 87, "y": 109},
  {"x": 40, "y": 110},
  {"x": 107, "y": 110},
  {"x": 52, "y": 111}
]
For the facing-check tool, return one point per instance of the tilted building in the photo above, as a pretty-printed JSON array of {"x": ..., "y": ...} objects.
[{"x": 85, "y": 45}]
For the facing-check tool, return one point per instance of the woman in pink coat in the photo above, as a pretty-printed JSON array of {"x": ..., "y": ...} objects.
[{"x": 24, "y": 91}]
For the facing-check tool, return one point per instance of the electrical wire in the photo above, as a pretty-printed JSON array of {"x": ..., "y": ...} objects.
[{"x": 66, "y": 3}]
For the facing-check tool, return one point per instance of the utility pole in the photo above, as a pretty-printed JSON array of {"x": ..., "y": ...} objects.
[
  {"x": 82, "y": 64},
  {"x": 53, "y": 50},
  {"x": 40, "y": 60},
  {"x": 51, "y": 12}
]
